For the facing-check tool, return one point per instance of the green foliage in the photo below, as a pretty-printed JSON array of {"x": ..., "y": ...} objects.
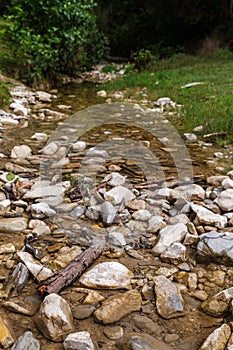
[
  {"x": 142, "y": 59},
  {"x": 55, "y": 36},
  {"x": 4, "y": 95}
]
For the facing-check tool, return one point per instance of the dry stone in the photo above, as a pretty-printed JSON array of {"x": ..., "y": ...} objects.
[
  {"x": 26, "y": 342},
  {"x": 6, "y": 338},
  {"x": 118, "y": 306},
  {"x": 54, "y": 318},
  {"x": 168, "y": 236},
  {"x": 205, "y": 216},
  {"x": 217, "y": 340},
  {"x": 110, "y": 275},
  {"x": 78, "y": 341},
  {"x": 225, "y": 200},
  {"x": 11, "y": 225},
  {"x": 218, "y": 304}
]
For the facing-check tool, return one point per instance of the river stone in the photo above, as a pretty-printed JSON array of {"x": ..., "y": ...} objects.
[
  {"x": 225, "y": 200},
  {"x": 216, "y": 245},
  {"x": 113, "y": 332},
  {"x": 43, "y": 96},
  {"x": 190, "y": 192},
  {"x": 175, "y": 254},
  {"x": 54, "y": 318},
  {"x": 83, "y": 311},
  {"x": 21, "y": 152},
  {"x": 78, "y": 341},
  {"x": 218, "y": 304},
  {"x": 115, "y": 179},
  {"x": 207, "y": 217},
  {"x": 218, "y": 339},
  {"x": 110, "y": 275},
  {"x": 12, "y": 225},
  {"x": 118, "y": 194},
  {"x": 139, "y": 341},
  {"x": 118, "y": 306},
  {"x": 156, "y": 223},
  {"x": 227, "y": 183},
  {"x": 6, "y": 338},
  {"x": 41, "y": 210},
  {"x": 107, "y": 213},
  {"x": 141, "y": 215},
  {"x": 26, "y": 342},
  {"x": 136, "y": 204},
  {"x": 168, "y": 236},
  {"x": 169, "y": 302},
  {"x": 79, "y": 146},
  {"x": 40, "y": 190},
  {"x": 37, "y": 270},
  {"x": 116, "y": 238},
  {"x": 216, "y": 180},
  {"x": 40, "y": 136}
]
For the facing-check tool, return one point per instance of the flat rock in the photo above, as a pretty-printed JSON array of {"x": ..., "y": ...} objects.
[
  {"x": 41, "y": 190},
  {"x": 13, "y": 224},
  {"x": 207, "y": 217},
  {"x": 118, "y": 306},
  {"x": 113, "y": 332},
  {"x": 190, "y": 192},
  {"x": 39, "y": 271},
  {"x": 41, "y": 210},
  {"x": 168, "y": 236},
  {"x": 218, "y": 339},
  {"x": 216, "y": 245},
  {"x": 110, "y": 275},
  {"x": 21, "y": 152},
  {"x": 139, "y": 341},
  {"x": 54, "y": 318},
  {"x": 115, "y": 179},
  {"x": 156, "y": 223},
  {"x": 169, "y": 302},
  {"x": 136, "y": 204},
  {"x": 26, "y": 342}
]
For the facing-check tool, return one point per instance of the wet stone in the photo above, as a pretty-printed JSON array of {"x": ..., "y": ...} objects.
[
  {"x": 169, "y": 302},
  {"x": 26, "y": 342}
]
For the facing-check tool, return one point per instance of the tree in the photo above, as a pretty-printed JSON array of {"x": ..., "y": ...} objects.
[{"x": 55, "y": 36}]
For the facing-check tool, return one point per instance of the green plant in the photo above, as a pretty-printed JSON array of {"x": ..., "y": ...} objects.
[
  {"x": 142, "y": 59},
  {"x": 55, "y": 36},
  {"x": 4, "y": 95}
]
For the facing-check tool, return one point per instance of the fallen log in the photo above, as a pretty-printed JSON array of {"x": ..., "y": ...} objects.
[{"x": 63, "y": 278}]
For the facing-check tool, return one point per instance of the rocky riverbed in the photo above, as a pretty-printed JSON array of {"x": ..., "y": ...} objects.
[{"x": 164, "y": 279}]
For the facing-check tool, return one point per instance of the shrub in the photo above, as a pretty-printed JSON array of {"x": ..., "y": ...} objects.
[{"x": 55, "y": 36}]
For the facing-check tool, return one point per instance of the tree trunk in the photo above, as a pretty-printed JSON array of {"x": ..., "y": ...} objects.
[{"x": 74, "y": 269}]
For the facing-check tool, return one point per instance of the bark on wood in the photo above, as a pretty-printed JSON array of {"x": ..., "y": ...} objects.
[{"x": 74, "y": 269}]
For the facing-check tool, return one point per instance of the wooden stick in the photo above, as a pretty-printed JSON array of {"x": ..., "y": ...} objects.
[{"x": 74, "y": 269}]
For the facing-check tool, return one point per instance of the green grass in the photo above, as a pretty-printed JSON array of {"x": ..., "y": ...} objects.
[{"x": 209, "y": 104}]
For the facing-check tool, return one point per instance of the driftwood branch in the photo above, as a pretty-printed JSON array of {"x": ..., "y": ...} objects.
[{"x": 74, "y": 269}]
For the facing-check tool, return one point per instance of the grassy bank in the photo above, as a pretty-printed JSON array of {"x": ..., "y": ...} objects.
[{"x": 209, "y": 104}]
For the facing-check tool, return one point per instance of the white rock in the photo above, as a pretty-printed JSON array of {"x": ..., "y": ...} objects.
[
  {"x": 102, "y": 93},
  {"x": 43, "y": 96},
  {"x": 78, "y": 341},
  {"x": 79, "y": 146},
  {"x": 118, "y": 194},
  {"x": 141, "y": 215},
  {"x": 205, "y": 216},
  {"x": 55, "y": 319},
  {"x": 225, "y": 200},
  {"x": 189, "y": 192},
  {"x": 13, "y": 224},
  {"x": 227, "y": 183},
  {"x": 39, "y": 136},
  {"x": 110, "y": 275},
  {"x": 41, "y": 210},
  {"x": 21, "y": 152},
  {"x": 116, "y": 238},
  {"x": 4, "y": 206},
  {"x": 8, "y": 120},
  {"x": 169, "y": 235},
  {"x": 190, "y": 137},
  {"x": 42, "y": 190},
  {"x": 37, "y": 270},
  {"x": 156, "y": 223},
  {"x": 115, "y": 179},
  {"x": 50, "y": 149}
]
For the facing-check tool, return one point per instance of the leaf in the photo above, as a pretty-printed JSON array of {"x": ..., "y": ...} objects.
[{"x": 10, "y": 176}]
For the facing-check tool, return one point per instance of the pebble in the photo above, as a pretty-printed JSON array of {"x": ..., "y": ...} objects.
[
  {"x": 78, "y": 341},
  {"x": 114, "y": 332}
]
